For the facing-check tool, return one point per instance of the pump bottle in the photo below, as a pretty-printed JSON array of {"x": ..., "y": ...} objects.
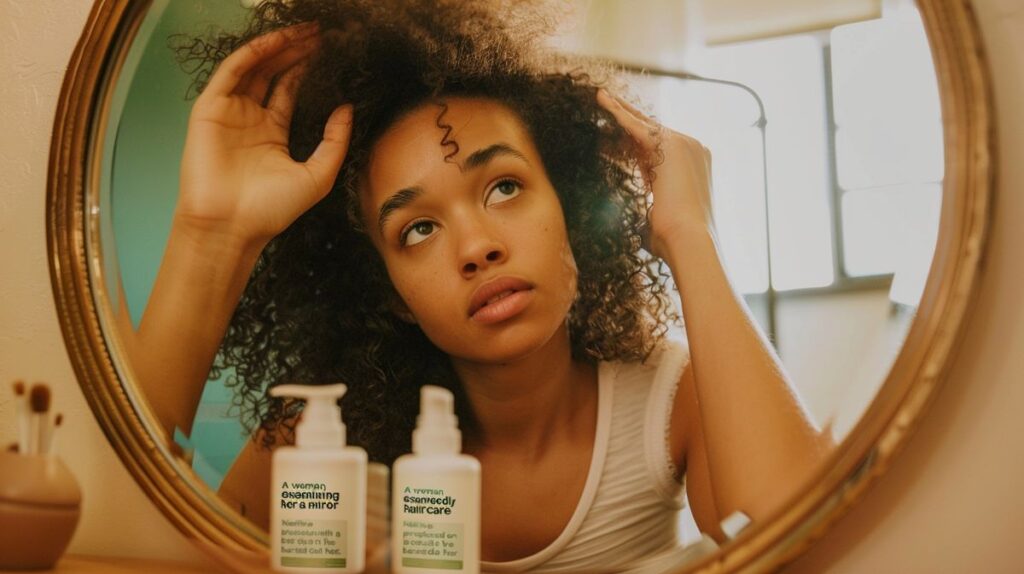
[
  {"x": 436, "y": 496},
  {"x": 318, "y": 490}
]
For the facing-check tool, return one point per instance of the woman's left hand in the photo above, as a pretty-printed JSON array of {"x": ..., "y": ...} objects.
[{"x": 681, "y": 183}]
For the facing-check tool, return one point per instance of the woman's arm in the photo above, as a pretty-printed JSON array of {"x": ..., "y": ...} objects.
[
  {"x": 239, "y": 188},
  {"x": 738, "y": 425},
  {"x": 759, "y": 444},
  {"x": 246, "y": 486},
  {"x": 200, "y": 281}
]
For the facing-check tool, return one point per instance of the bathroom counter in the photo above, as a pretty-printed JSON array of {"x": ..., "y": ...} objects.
[
  {"x": 75, "y": 564},
  {"x": 80, "y": 564}
]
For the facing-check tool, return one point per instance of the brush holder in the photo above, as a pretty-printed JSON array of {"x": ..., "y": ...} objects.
[{"x": 40, "y": 504}]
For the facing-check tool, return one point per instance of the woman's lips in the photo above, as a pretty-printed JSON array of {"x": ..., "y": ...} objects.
[
  {"x": 499, "y": 299},
  {"x": 505, "y": 308}
]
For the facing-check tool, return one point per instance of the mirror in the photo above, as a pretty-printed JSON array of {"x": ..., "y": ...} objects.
[{"x": 832, "y": 193}]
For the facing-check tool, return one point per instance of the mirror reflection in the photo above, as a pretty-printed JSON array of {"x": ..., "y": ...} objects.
[{"x": 655, "y": 305}]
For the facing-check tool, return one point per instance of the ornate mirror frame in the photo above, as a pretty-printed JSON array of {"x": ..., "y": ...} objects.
[{"x": 871, "y": 447}]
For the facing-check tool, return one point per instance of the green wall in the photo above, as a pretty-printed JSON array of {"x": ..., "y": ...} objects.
[{"x": 143, "y": 157}]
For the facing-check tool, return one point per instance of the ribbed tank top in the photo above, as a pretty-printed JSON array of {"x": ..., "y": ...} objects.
[{"x": 631, "y": 500}]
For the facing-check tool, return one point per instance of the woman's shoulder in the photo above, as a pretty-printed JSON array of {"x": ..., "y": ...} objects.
[
  {"x": 663, "y": 366},
  {"x": 641, "y": 388}
]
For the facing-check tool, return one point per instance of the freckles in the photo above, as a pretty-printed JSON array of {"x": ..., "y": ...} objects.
[{"x": 423, "y": 288}]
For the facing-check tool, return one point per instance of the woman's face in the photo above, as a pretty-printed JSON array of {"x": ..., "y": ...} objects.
[{"x": 476, "y": 246}]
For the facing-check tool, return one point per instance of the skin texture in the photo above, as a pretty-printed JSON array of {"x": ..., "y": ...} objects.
[{"x": 499, "y": 219}]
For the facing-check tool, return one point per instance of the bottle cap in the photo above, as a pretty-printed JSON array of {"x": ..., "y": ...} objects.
[
  {"x": 321, "y": 424},
  {"x": 437, "y": 428}
]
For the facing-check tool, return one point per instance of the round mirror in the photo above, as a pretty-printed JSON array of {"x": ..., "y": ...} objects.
[{"x": 849, "y": 187}]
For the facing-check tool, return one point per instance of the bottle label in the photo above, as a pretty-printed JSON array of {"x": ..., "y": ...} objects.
[
  {"x": 308, "y": 541},
  {"x": 432, "y": 536}
]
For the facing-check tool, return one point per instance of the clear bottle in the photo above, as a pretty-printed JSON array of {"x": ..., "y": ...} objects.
[
  {"x": 436, "y": 495},
  {"x": 318, "y": 498}
]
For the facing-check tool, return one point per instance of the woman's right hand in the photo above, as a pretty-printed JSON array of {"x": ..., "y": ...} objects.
[{"x": 238, "y": 179}]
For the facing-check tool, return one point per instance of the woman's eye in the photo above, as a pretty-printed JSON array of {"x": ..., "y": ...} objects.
[
  {"x": 503, "y": 191},
  {"x": 417, "y": 232}
]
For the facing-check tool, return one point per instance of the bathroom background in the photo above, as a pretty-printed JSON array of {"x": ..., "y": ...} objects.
[
  {"x": 954, "y": 485},
  {"x": 846, "y": 184}
]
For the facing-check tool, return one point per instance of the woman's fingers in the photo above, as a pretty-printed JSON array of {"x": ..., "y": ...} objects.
[
  {"x": 256, "y": 84},
  {"x": 642, "y": 129},
  {"x": 639, "y": 115},
  {"x": 282, "y": 100},
  {"x": 326, "y": 160},
  {"x": 233, "y": 70}
]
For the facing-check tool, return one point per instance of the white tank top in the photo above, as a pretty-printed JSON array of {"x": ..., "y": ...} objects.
[{"x": 631, "y": 500}]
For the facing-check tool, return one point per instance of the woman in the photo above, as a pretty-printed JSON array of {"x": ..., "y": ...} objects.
[{"x": 400, "y": 193}]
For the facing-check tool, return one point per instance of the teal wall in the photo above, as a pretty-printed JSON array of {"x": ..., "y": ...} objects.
[{"x": 141, "y": 174}]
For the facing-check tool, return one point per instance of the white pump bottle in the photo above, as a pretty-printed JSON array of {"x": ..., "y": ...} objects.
[
  {"x": 436, "y": 495},
  {"x": 318, "y": 490}
]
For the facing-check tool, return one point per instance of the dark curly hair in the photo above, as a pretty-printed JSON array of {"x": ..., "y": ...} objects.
[{"x": 318, "y": 306}]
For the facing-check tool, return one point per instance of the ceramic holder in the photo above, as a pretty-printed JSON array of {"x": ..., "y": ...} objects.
[{"x": 40, "y": 503}]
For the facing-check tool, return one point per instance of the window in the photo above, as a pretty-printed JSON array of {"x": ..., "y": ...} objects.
[
  {"x": 888, "y": 141},
  {"x": 853, "y": 143}
]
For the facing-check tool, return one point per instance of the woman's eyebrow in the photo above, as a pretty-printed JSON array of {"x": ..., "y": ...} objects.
[
  {"x": 482, "y": 156},
  {"x": 396, "y": 201}
]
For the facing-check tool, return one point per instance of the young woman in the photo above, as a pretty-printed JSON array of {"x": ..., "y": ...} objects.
[{"x": 401, "y": 193}]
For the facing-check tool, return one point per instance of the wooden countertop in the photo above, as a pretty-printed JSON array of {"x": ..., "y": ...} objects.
[
  {"x": 74, "y": 564},
  {"x": 79, "y": 564}
]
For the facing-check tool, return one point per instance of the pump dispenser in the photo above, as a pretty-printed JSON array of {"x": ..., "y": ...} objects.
[
  {"x": 437, "y": 429},
  {"x": 321, "y": 425},
  {"x": 436, "y": 495},
  {"x": 318, "y": 503}
]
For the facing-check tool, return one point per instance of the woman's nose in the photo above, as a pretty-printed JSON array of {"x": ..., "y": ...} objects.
[{"x": 479, "y": 250}]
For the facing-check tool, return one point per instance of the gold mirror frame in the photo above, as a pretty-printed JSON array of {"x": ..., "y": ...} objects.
[{"x": 911, "y": 385}]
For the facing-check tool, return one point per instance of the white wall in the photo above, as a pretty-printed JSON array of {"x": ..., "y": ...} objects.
[
  {"x": 951, "y": 502},
  {"x": 837, "y": 349},
  {"x": 36, "y": 40}
]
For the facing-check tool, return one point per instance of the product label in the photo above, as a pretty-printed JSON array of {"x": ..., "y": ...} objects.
[
  {"x": 309, "y": 495},
  {"x": 427, "y": 543},
  {"x": 311, "y": 542}
]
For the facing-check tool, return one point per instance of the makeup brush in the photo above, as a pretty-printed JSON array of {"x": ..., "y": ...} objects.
[
  {"x": 21, "y": 412},
  {"x": 51, "y": 448},
  {"x": 39, "y": 402}
]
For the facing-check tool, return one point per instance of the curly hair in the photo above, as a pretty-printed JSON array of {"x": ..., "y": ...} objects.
[{"x": 318, "y": 306}]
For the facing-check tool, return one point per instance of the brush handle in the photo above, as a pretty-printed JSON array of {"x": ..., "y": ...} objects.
[
  {"x": 45, "y": 435},
  {"x": 34, "y": 432},
  {"x": 24, "y": 427},
  {"x": 24, "y": 432},
  {"x": 52, "y": 440}
]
